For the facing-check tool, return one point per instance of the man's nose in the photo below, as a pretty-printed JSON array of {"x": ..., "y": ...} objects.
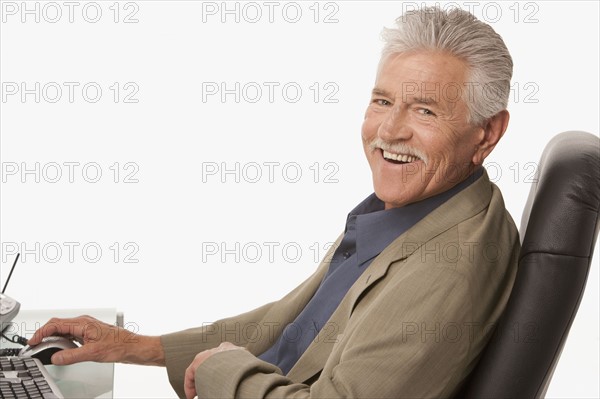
[{"x": 395, "y": 126}]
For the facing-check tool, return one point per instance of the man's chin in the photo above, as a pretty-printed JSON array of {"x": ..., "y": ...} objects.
[{"x": 394, "y": 199}]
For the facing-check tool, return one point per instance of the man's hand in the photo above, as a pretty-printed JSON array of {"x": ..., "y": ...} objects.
[
  {"x": 189, "y": 384},
  {"x": 101, "y": 342}
]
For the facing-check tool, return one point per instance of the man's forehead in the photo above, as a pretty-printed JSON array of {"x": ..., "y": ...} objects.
[{"x": 423, "y": 68}]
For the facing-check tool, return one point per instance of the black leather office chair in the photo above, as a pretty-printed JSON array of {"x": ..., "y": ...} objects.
[{"x": 558, "y": 232}]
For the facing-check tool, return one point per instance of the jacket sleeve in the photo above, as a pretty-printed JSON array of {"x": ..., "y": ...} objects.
[
  {"x": 405, "y": 344},
  {"x": 181, "y": 347}
]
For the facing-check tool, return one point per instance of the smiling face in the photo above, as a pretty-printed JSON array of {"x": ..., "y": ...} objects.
[{"x": 416, "y": 134}]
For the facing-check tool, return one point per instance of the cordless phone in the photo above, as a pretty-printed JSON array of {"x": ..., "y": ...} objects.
[{"x": 9, "y": 307}]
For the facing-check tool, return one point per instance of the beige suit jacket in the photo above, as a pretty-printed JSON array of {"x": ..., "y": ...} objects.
[{"x": 412, "y": 326}]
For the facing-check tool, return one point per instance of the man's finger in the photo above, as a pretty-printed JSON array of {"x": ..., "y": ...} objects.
[
  {"x": 48, "y": 329},
  {"x": 57, "y": 326},
  {"x": 71, "y": 356},
  {"x": 189, "y": 382}
]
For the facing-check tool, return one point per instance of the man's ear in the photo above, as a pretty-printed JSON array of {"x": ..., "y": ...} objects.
[{"x": 491, "y": 133}]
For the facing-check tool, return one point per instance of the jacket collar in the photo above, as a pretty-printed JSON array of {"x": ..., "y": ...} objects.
[{"x": 376, "y": 228}]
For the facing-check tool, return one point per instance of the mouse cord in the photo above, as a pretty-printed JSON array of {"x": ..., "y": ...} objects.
[{"x": 16, "y": 339}]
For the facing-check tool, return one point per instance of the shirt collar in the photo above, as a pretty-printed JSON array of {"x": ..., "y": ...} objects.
[{"x": 377, "y": 227}]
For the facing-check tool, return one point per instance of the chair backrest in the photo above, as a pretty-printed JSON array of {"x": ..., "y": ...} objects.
[{"x": 558, "y": 232}]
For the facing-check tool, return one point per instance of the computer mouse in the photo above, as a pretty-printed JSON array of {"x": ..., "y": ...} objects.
[{"x": 48, "y": 347}]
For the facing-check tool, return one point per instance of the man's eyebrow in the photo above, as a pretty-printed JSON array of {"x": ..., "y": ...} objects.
[
  {"x": 381, "y": 92},
  {"x": 418, "y": 100},
  {"x": 424, "y": 100}
]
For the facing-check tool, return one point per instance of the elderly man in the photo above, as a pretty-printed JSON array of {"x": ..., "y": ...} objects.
[{"x": 407, "y": 298}]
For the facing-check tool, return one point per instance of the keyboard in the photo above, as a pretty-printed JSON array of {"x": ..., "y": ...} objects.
[{"x": 26, "y": 378}]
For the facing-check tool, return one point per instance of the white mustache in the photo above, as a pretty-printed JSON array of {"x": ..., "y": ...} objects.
[{"x": 397, "y": 148}]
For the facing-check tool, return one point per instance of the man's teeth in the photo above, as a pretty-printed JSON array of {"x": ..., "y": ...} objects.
[{"x": 399, "y": 157}]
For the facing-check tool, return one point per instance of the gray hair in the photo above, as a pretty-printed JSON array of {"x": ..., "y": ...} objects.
[{"x": 459, "y": 33}]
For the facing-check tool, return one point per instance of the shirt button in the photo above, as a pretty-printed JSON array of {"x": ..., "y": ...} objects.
[{"x": 346, "y": 255}]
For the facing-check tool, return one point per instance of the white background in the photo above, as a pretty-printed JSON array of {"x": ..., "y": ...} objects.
[{"x": 170, "y": 217}]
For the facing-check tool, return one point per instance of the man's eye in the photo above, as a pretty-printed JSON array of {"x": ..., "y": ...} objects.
[
  {"x": 380, "y": 101},
  {"x": 425, "y": 111}
]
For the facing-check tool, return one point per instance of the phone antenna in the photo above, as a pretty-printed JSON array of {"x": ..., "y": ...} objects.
[{"x": 11, "y": 271}]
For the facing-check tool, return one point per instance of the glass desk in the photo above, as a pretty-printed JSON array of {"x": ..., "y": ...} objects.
[{"x": 82, "y": 380}]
